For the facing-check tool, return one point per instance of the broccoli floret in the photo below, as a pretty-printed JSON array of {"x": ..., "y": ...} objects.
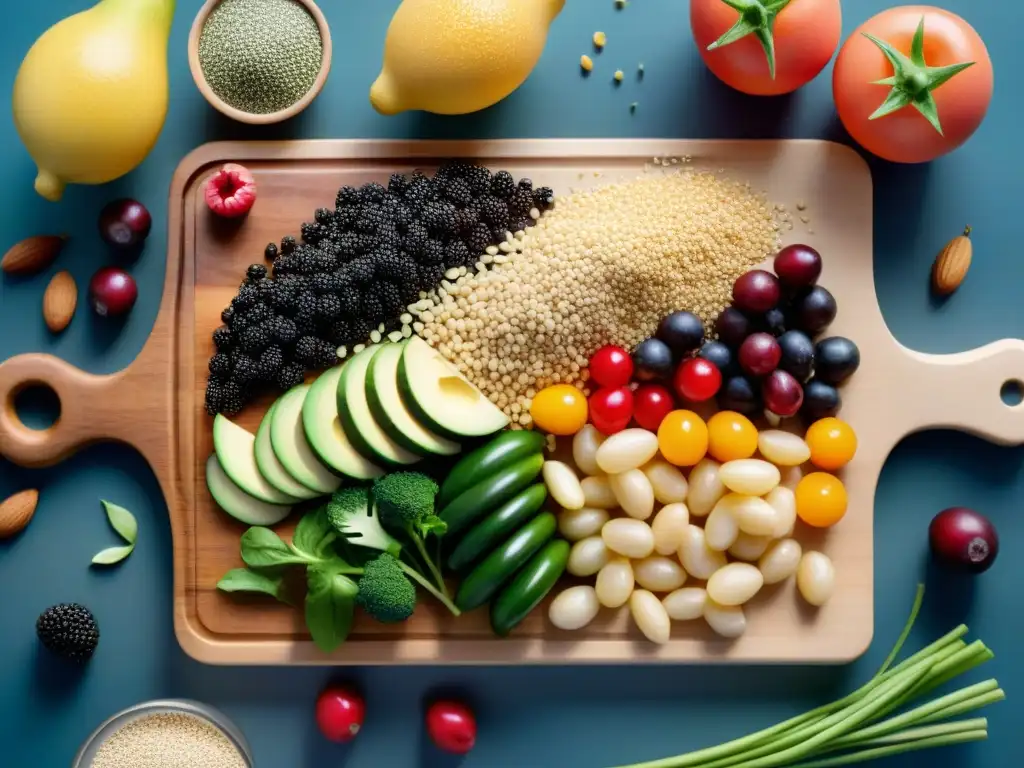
[
  {"x": 406, "y": 502},
  {"x": 353, "y": 516},
  {"x": 384, "y": 591}
]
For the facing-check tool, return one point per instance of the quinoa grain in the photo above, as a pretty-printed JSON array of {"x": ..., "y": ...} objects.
[{"x": 169, "y": 740}]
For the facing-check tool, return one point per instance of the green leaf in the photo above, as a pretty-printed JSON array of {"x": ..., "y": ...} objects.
[
  {"x": 313, "y": 534},
  {"x": 112, "y": 555},
  {"x": 245, "y": 580},
  {"x": 122, "y": 521},
  {"x": 330, "y": 606},
  {"x": 261, "y": 547},
  {"x": 432, "y": 524}
]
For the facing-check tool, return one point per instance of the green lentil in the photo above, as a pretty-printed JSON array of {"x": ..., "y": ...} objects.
[{"x": 260, "y": 56}]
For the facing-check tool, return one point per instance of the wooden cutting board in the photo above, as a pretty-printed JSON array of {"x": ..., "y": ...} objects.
[{"x": 156, "y": 404}]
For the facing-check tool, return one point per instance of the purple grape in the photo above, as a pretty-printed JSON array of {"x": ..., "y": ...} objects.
[
  {"x": 760, "y": 354},
  {"x": 757, "y": 291},
  {"x": 732, "y": 327},
  {"x": 782, "y": 393},
  {"x": 798, "y": 266}
]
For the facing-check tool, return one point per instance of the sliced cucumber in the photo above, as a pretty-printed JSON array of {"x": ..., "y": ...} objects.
[
  {"x": 272, "y": 469},
  {"x": 323, "y": 430},
  {"x": 288, "y": 440},
  {"x": 392, "y": 414},
  {"x": 362, "y": 429},
  {"x": 235, "y": 449},
  {"x": 441, "y": 398},
  {"x": 236, "y": 502}
]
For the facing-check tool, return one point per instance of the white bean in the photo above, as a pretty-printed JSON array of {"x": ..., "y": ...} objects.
[
  {"x": 659, "y": 573},
  {"x": 816, "y": 578},
  {"x": 699, "y": 560},
  {"x": 614, "y": 583},
  {"x": 650, "y": 616},
  {"x": 780, "y": 561},
  {"x": 783, "y": 501},
  {"x": 753, "y": 514},
  {"x": 576, "y": 524},
  {"x": 598, "y": 493},
  {"x": 588, "y": 556},
  {"x": 735, "y": 584},
  {"x": 633, "y": 491},
  {"x": 705, "y": 488},
  {"x": 669, "y": 526},
  {"x": 685, "y": 604},
  {"x": 628, "y": 449},
  {"x": 668, "y": 482},
  {"x": 628, "y": 537},
  {"x": 791, "y": 477},
  {"x": 753, "y": 477},
  {"x": 721, "y": 528},
  {"x": 727, "y": 620},
  {"x": 584, "y": 449},
  {"x": 574, "y": 607},
  {"x": 783, "y": 449},
  {"x": 563, "y": 485},
  {"x": 749, "y": 548}
]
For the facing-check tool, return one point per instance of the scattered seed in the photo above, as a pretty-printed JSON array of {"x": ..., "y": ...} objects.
[
  {"x": 600, "y": 40},
  {"x": 586, "y": 63},
  {"x": 342, "y": 352},
  {"x": 619, "y": 76},
  {"x": 640, "y": 69},
  {"x": 395, "y": 336}
]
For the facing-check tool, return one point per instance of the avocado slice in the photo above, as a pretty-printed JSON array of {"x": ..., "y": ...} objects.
[
  {"x": 272, "y": 469},
  {"x": 391, "y": 413},
  {"x": 235, "y": 449},
  {"x": 236, "y": 502},
  {"x": 323, "y": 430},
  {"x": 288, "y": 440}
]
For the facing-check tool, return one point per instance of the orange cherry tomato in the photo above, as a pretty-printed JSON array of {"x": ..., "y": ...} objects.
[
  {"x": 806, "y": 34},
  {"x": 683, "y": 438},
  {"x": 731, "y": 436},
  {"x": 906, "y": 136},
  {"x": 559, "y": 410},
  {"x": 832, "y": 442},
  {"x": 820, "y": 499}
]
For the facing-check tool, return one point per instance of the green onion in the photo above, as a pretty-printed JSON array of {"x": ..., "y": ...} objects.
[{"x": 873, "y": 721}]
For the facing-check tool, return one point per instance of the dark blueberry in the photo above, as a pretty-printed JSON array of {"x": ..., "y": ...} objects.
[
  {"x": 287, "y": 244},
  {"x": 220, "y": 364},
  {"x": 835, "y": 359},
  {"x": 813, "y": 310},
  {"x": 719, "y": 355},
  {"x": 270, "y": 252},
  {"x": 739, "y": 394},
  {"x": 652, "y": 360},
  {"x": 732, "y": 326},
  {"x": 682, "y": 331},
  {"x": 774, "y": 321},
  {"x": 820, "y": 400},
  {"x": 797, "y": 354},
  {"x": 503, "y": 186}
]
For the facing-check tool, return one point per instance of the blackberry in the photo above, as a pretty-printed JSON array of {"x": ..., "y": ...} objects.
[
  {"x": 522, "y": 224},
  {"x": 346, "y": 196},
  {"x": 360, "y": 271},
  {"x": 433, "y": 254},
  {"x": 371, "y": 218},
  {"x": 388, "y": 263},
  {"x": 305, "y": 321},
  {"x": 494, "y": 213},
  {"x": 544, "y": 197},
  {"x": 256, "y": 338},
  {"x": 345, "y": 218},
  {"x": 220, "y": 364},
  {"x": 287, "y": 244},
  {"x": 270, "y": 252},
  {"x": 525, "y": 185},
  {"x": 351, "y": 303},
  {"x": 401, "y": 216},
  {"x": 415, "y": 238},
  {"x": 322, "y": 261},
  {"x": 455, "y": 169},
  {"x": 285, "y": 298},
  {"x": 323, "y": 216},
  {"x": 498, "y": 234},
  {"x": 232, "y": 398},
  {"x": 284, "y": 265},
  {"x": 246, "y": 297},
  {"x": 348, "y": 243},
  {"x": 479, "y": 180},
  {"x": 223, "y": 338},
  {"x": 439, "y": 218},
  {"x": 265, "y": 289},
  {"x": 503, "y": 186},
  {"x": 256, "y": 272},
  {"x": 521, "y": 203},
  {"x": 478, "y": 240},
  {"x": 361, "y": 328},
  {"x": 325, "y": 282},
  {"x": 457, "y": 191},
  {"x": 68, "y": 630},
  {"x": 284, "y": 331},
  {"x": 227, "y": 314},
  {"x": 270, "y": 363},
  {"x": 372, "y": 192},
  {"x": 341, "y": 332},
  {"x": 466, "y": 219},
  {"x": 429, "y": 275},
  {"x": 409, "y": 286},
  {"x": 398, "y": 184},
  {"x": 244, "y": 370},
  {"x": 313, "y": 233},
  {"x": 314, "y": 352},
  {"x": 390, "y": 298},
  {"x": 372, "y": 308},
  {"x": 364, "y": 243},
  {"x": 258, "y": 315},
  {"x": 289, "y": 376},
  {"x": 328, "y": 306},
  {"x": 388, "y": 239},
  {"x": 457, "y": 255}
]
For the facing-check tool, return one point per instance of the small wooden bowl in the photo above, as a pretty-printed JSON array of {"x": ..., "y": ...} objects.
[{"x": 247, "y": 117}]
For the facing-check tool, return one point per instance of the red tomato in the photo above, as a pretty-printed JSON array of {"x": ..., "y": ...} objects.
[
  {"x": 806, "y": 34},
  {"x": 697, "y": 380},
  {"x": 906, "y": 136},
  {"x": 451, "y": 726},
  {"x": 611, "y": 408},
  {"x": 611, "y": 366},
  {"x": 651, "y": 404},
  {"x": 340, "y": 713}
]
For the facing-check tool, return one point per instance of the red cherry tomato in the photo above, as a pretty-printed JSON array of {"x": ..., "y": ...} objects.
[
  {"x": 611, "y": 408},
  {"x": 451, "y": 726},
  {"x": 651, "y": 404},
  {"x": 697, "y": 380},
  {"x": 611, "y": 366},
  {"x": 340, "y": 713}
]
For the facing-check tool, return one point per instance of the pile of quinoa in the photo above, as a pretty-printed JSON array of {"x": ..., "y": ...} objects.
[
  {"x": 169, "y": 740},
  {"x": 602, "y": 267}
]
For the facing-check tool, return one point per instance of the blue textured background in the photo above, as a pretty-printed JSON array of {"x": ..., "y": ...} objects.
[{"x": 537, "y": 717}]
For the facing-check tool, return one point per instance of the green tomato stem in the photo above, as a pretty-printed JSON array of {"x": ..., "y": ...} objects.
[{"x": 757, "y": 17}]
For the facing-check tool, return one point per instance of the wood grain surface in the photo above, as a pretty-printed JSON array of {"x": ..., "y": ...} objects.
[{"x": 157, "y": 403}]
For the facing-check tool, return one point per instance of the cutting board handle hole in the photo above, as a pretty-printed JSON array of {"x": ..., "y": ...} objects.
[
  {"x": 35, "y": 405},
  {"x": 1012, "y": 392}
]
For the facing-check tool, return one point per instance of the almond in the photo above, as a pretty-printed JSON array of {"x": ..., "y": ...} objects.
[
  {"x": 952, "y": 263},
  {"x": 59, "y": 301},
  {"x": 32, "y": 255},
  {"x": 16, "y": 511}
]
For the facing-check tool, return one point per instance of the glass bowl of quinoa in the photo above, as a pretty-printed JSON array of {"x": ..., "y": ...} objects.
[
  {"x": 260, "y": 61},
  {"x": 167, "y": 733}
]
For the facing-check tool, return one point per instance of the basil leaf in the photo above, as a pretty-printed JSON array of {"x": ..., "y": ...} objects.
[
  {"x": 244, "y": 580},
  {"x": 313, "y": 530},
  {"x": 122, "y": 521},
  {"x": 330, "y": 606},
  {"x": 262, "y": 547},
  {"x": 112, "y": 555}
]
